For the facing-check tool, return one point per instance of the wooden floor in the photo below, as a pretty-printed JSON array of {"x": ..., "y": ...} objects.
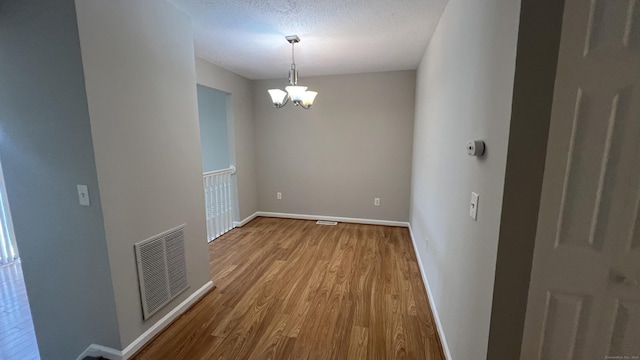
[
  {"x": 291, "y": 289},
  {"x": 17, "y": 338}
]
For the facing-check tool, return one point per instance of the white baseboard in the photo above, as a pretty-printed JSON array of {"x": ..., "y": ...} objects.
[
  {"x": 434, "y": 310},
  {"x": 142, "y": 340},
  {"x": 95, "y": 350},
  {"x": 245, "y": 221},
  {"x": 332, "y": 218}
]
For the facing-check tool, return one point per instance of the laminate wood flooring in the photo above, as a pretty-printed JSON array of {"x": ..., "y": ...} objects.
[{"x": 291, "y": 289}]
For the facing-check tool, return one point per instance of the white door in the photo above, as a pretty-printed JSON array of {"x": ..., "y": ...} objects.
[{"x": 584, "y": 297}]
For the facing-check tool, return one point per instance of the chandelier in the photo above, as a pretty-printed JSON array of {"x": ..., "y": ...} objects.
[{"x": 299, "y": 95}]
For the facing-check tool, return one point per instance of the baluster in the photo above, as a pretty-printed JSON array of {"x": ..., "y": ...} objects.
[
  {"x": 206, "y": 206},
  {"x": 220, "y": 209},
  {"x": 226, "y": 203},
  {"x": 212, "y": 205},
  {"x": 217, "y": 206},
  {"x": 229, "y": 214},
  {"x": 223, "y": 204},
  {"x": 230, "y": 204},
  {"x": 211, "y": 208}
]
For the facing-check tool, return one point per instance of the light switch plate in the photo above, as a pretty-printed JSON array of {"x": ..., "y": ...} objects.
[
  {"x": 473, "y": 206},
  {"x": 83, "y": 195}
]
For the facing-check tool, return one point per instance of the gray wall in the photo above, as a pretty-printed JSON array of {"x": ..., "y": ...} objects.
[
  {"x": 353, "y": 146},
  {"x": 212, "y": 112},
  {"x": 240, "y": 129},
  {"x": 46, "y": 150},
  {"x": 464, "y": 92},
  {"x": 140, "y": 80}
]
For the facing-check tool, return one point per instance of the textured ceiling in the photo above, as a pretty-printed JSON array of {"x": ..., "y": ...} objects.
[{"x": 338, "y": 36}]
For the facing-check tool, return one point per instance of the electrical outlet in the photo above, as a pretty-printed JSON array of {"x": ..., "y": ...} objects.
[
  {"x": 426, "y": 243},
  {"x": 376, "y": 201},
  {"x": 279, "y": 195}
]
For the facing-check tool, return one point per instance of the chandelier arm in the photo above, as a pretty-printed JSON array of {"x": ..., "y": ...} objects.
[
  {"x": 286, "y": 100},
  {"x": 306, "y": 107}
]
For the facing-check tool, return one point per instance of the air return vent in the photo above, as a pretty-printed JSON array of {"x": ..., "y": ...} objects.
[
  {"x": 162, "y": 269},
  {"x": 324, "y": 222}
]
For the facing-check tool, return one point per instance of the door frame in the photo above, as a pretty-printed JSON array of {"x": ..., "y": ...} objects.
[{"x": 536, "y": 62}]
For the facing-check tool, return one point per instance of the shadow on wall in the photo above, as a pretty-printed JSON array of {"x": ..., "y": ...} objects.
[{"x": 212, "y": 110}]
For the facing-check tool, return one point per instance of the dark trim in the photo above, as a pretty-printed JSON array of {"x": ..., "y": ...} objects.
[{"x": 536, "y": 61}]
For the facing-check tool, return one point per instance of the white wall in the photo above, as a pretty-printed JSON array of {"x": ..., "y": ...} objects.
[
  {"x": 240, "y": 129},
  {"x": 141, "y": 89},
  {"x": 352, "y": 146},
  {"x": 464, "y": 91},
  {"x": 46, "y": 149}
]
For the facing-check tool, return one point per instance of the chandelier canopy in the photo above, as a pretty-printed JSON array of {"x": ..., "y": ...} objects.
[{"x": 299, "y": 95}]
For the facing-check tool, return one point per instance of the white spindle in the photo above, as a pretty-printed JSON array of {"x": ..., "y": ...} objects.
[
  {"x": 205, "y": 181},
  {"x": 212, "y": 210},
  {"x": 226, "y": 201},
  {"x": 218, "y": 203},
  {"x": 216, "y": 211},
  {"x": 230, "y": 203}
]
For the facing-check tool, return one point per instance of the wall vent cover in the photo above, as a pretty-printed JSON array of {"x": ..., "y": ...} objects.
[
  {"x": 323, "y": 222},
  {"x": 162, "y": 269}
]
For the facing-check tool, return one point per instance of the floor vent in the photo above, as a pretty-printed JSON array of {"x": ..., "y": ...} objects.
[
  {"x": 323, "y": 222},
  {"x": 162, "y": 269}
]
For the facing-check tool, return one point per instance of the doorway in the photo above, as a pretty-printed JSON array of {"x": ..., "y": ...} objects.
[
  {"x": 17, "y": 336},
  {"x": 217, "y": 165}
]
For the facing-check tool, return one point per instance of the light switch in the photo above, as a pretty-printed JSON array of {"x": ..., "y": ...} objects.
[
  {"x": 83, "y": 195},
  {"x": 473, "y": 206}
]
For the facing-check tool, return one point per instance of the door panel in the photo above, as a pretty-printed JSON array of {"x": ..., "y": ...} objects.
[
  {"x": 623, "y": 336},
  {"x": 565, "y": 325},
  {"x": 584, "y": 297}
]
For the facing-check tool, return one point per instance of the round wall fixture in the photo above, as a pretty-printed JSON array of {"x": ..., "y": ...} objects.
[{"x": 475, "y": 147}]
